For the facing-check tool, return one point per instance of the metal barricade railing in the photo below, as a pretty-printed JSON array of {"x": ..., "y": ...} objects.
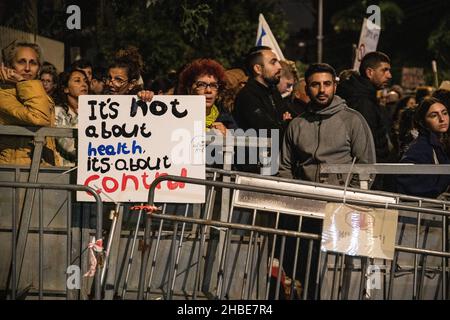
[
  {"x": 365, "y": 171},
  {"x": 18, "y": 252},
  {"x": 442, "y": 254},
  {"x": 414, "y": 205}
]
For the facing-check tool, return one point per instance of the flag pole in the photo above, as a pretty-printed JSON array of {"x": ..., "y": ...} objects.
[
  {"x": 320, "y": 32},
  {"x": 435, "y": 73}
]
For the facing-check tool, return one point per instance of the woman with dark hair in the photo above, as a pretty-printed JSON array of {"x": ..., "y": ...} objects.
[
  {"x": 207, "y": 77},
  {"x": 124, "y": 74},
  {"x": 430, "y": 147},
  {"x": 161, "y": 86},
  {"x": 73, "y": 83},
  {"x": 49, "y": 77},
  {"x": 402, "y": 130}
]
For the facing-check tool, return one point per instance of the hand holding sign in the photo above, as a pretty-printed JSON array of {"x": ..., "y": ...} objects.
[{"x": 126, "y": 143}]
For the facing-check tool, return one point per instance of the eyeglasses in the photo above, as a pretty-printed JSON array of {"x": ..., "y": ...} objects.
[
  {"x": 46, "y": 81},
  {"x": 201, "y": 86},
  {"x": 116, "y": 81}
]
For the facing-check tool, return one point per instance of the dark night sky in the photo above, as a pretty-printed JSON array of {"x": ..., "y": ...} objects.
[{"x": 406, "y": 43}]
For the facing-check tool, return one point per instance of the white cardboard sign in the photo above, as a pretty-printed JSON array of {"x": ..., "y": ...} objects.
[
  {"x": 368, "y": 41},
  {"x": 125, "y": 143}
]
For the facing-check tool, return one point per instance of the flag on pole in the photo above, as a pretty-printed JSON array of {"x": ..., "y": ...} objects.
[
  {"x": 368, "y": 41},
  {"x": 264, "y": 37}
]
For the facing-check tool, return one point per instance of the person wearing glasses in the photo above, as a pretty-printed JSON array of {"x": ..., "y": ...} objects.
[
  {"x": 124, "y": 74},
  {"x": 49, "y": 77},
  {"x": 207, "y": 77}
]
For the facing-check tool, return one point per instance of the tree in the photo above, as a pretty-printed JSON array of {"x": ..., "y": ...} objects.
[
  {"x": 171, "y": 33},
  {"x": 351, "y": 18},
  {"x": 439, "y": 45},
  {"x": 346, "y": 27}
]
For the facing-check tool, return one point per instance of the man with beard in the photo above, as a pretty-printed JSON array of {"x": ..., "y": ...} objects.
[
  {"x": 259, "y": 104},
  {"x": 360, "y": 92},
  {"x": 327, "y": 132}
]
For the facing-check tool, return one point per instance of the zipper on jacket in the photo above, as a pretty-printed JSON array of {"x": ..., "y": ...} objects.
[{"x": 316, "y": 175}]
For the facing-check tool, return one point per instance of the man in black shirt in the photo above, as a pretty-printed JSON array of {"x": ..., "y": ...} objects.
[
  {"x": 360, "y": 92},
  {"x": 259, "y": 104}
]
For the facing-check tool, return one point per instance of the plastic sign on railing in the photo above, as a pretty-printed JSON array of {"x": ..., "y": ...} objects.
[
  {"x": 359, "y": 231},
  {"x": 125, "y": 143}
]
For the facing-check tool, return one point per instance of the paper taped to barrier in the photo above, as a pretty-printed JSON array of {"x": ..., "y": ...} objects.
[{"x": 359, "y": 231}]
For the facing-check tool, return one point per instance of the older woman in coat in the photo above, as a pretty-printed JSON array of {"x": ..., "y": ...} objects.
[{"x": 24, "y": 102}]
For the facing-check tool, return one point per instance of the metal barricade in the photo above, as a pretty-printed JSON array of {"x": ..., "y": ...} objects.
[
  {"x": 226, "y": 249},
  {"x": 342, "y": 286},
  {"x": 20, "y": 236},
  {"x": 15, "y": 176}
]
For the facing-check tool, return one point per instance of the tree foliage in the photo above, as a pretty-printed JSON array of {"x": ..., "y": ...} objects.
[
  {"x": 171, "y": 33},
  {"x": 351, "y": 18}
]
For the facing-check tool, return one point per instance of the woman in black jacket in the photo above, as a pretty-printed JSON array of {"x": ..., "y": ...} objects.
[{"x": 430, "y": 147}]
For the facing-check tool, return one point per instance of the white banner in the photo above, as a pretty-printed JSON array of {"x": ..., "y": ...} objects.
[
  {"x": 125, "y": 143},
  {"x": 368, "y": 41},
  {"x": 264, "y": 37}
]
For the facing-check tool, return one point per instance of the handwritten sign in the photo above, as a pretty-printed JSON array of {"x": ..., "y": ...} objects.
[
  {"x": 368, "y": 41},
  {"x": 125, "y": 143},
  {"x": 412, "y": 77},
  {"x": 358, "y": 231}
]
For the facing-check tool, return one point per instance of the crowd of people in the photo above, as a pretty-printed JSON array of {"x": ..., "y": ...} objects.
[{"x": 356, "y": 117}]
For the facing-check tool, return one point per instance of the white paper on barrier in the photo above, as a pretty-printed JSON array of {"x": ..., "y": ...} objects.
[
  {"x": 125, "y": 143},
  {"x": 359, "y": 231}
]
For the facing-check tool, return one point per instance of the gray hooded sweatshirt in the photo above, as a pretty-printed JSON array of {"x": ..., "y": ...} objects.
[{"x": 333, "y": 135}]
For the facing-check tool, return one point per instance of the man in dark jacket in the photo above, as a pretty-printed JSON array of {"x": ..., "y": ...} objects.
[
  {"x": 259, "y": 104},
  {"x": 360, "y": 93}
]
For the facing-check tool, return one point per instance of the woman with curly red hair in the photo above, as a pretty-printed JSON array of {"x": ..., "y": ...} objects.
[{"x": 207, "y": 77}]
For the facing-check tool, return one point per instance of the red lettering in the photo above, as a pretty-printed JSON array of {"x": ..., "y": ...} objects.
[
  {"x": 125, "y": 178},
  {"x": 174, "y": 185},
  {"x": 89, "y": 179},
  {"x": 144, "y": 180},
  {"x": 110, "y": 184},
  {"x": 105, "y": 184}
]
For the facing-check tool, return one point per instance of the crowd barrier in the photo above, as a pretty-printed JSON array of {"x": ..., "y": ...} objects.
[{"x": 255, "y": 237}]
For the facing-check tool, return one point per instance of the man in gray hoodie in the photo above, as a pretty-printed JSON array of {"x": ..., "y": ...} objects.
[{"x": 328, "y": 132}]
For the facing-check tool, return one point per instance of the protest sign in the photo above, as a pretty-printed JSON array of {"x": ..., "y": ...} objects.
[
  {"x": 412, "y": 78},
  {"x": 125, "y": 143},
  {"x": 368, "y": 41}
]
